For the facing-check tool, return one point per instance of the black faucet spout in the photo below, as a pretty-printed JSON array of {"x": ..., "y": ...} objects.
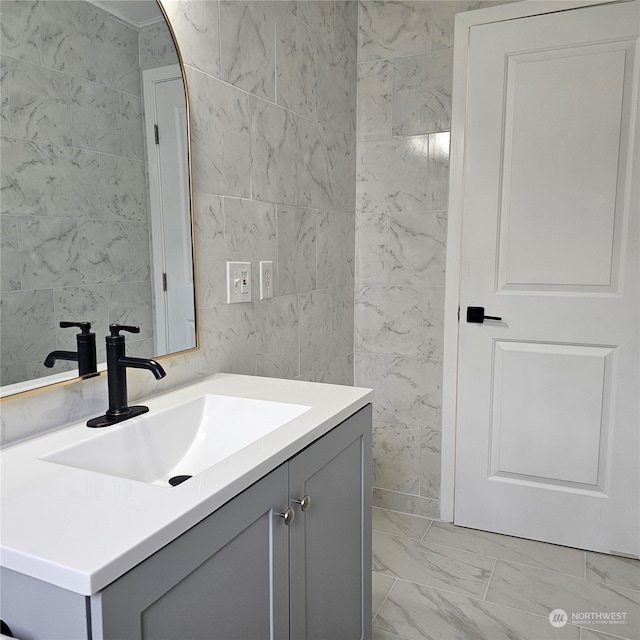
[
  {"x": 143, "y": 363},
  {"x": 85, "y": 356},
  {"x": 54, "y": 356}
]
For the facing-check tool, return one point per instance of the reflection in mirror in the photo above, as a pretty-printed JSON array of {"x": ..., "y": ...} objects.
[{"x": 95, "y": 209}]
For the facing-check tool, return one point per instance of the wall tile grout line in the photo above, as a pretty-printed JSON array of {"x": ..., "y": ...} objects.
[{"x": 275, "y": 103}]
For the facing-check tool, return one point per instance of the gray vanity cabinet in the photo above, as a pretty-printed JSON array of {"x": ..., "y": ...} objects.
[
  {"x": 225, "y": 578},
  {"x": 242, "y": 573}
]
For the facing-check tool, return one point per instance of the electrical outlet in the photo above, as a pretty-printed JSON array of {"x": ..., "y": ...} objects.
[
  {"x": 266, "y": 279},
  {"x": 238, "y": 282}
]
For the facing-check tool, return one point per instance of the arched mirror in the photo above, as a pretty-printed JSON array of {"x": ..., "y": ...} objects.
[{"x": 95, "y": 202}]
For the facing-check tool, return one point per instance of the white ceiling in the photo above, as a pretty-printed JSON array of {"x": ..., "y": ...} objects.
[{"x": 138, "y": 13}]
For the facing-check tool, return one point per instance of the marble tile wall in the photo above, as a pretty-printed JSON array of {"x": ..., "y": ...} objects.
[
  {"x": 74, "y": 194},
  {"x": 405, "y": 71},
  {"x": 273, "y": 111}
]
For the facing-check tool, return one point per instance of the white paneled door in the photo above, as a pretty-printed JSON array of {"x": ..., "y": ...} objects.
[{"x": 548, "y": 425}]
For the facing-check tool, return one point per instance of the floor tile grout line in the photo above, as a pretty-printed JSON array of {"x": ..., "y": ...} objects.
[
  {"x": 395, "y": 636},
  {"x": 516, "y": 562},
  {"x": 512, "y": 537},
  {"x": 395, "y": 581},
  {"x": 402, "y": 534},
  {"x": 495, "y": 558},
  {"x": 489, "y": 602},
  {"x": 604, "y": 634},
  {"x": 427, "y": 586},
  {"x": 585, "y": 567},
  {"x": 402, "y": 513},
  {"x": 523, "y": 563},
  {"x": 484, "y": 597},
  {"x": 614, "y": 585},
  {"x": 570, "y": 575},
  {"x": 390, "y": 634},
  {"x": 427, "y": 530},
  {"x": 533, "y": 566},
  {"x": 399, "y": 535},
  {"x": 543, "y": 616}
]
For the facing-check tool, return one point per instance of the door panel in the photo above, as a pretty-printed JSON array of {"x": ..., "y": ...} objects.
[
  {"x": 548, "y": 413},
  {"x": 544, "y": 430},
  {"x": 562, "y": 145},
  {"x": 539, "y": 198}
]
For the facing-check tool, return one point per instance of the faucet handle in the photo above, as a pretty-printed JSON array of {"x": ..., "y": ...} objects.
[
  {"x": 85, "y": 327},
  {"x": 116, "y": 328}
]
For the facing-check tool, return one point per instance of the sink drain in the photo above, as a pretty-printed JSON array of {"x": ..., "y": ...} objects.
[{"x": 176, "y": 480}]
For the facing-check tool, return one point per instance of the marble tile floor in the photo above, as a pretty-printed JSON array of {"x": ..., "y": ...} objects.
[{"x": 433, "y": 580}]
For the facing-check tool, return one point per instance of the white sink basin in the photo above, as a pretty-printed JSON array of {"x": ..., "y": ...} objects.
[{"x": 183, "y": 440}]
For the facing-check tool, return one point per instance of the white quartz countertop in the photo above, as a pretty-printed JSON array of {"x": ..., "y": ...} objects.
[{"x": 81, "y": 530}]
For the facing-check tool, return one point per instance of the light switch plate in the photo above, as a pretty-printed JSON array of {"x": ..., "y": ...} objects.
[
  {"x": 238, "y": 282},
  {"x": 266, "y": 279}
]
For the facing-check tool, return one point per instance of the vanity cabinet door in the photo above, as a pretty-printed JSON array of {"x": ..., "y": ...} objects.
[
  {"x": 226, "y": 578},
  {"x": 330, "y": 541}
]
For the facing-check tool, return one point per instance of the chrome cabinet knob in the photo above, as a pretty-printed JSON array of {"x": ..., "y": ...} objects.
[
  {"x": 288, "y": 516},
  {"x": 305, "y": 503}
]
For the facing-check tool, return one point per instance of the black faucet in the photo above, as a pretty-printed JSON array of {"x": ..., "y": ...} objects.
[
  {"x": 117, "y": 363},
  {"x": 85, "y": 356}
]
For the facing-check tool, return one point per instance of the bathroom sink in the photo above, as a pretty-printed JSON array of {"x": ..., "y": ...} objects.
[{"x": 180, "y": 441}]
